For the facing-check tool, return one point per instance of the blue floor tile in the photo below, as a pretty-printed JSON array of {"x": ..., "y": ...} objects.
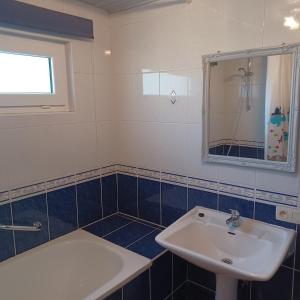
[
  {"x": 174, "y": 202},
  {"x": 109, "y": 195},
  {"x": 138, "y": 289},
  {"x": 129, "y": 234},
  {"x": 202, "y": 198},
  {"x": 7, "y": 249},
  {"x": 149, "y": 200},
  {"x": 147, "y": 246},
  {"x": 89, "y": 202},
  {"x": 25, "y": 213},
  {"x": 245, "y": 207},
  {"x": 161, "y": 277},
  {"x": 62, "y": 210},
  {"x": 107, "y": 225},
  {"x": 127, "y": 191}
]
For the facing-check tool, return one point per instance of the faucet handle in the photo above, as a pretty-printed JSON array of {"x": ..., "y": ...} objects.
[{"x": 234, "y": 212}]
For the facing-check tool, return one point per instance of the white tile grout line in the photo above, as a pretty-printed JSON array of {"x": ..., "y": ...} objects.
[
  {"x": 160, "y": 204},
  {"x": 13, "y": 232},
  {"x": 173, "y": 292},
  {"x": 116, "y": 230},
  {"x": 48, "y": 220},
  {"x": 137, "y": 197},
  {"x": 77, "y": 210},
  {"x": 202, "y": 286},
  {"x": 142, "y": 221},
  {"x": 139, "y": 239},
  {"x": 101, "y": 198}
]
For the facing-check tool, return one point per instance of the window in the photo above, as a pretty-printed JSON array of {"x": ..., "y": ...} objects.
[{"x": 33, "y": 74}]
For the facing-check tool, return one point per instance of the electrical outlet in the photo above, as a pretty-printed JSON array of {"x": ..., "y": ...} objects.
[
  {"x": 288, "y": 214},
  {"x": 284, "y": 213}
]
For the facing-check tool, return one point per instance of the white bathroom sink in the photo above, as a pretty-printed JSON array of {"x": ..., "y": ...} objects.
[{"x": 252, "y": 251}]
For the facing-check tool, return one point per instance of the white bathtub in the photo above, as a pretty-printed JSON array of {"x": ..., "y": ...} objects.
[{"x": 76, "y": 266}]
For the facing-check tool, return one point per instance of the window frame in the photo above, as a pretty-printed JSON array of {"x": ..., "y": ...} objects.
[{"x": 55, "y": 48}]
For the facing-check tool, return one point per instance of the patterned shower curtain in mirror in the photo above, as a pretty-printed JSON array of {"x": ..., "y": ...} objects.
[{"x": 277, "y": 106}]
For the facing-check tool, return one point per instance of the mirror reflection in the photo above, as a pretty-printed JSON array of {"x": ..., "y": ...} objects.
[{"x": 249, "y": 105}]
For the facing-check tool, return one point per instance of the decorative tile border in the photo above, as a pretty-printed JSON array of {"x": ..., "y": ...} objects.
[
  {"x": 154, "y": 175},
  {"x": 60, "y": 183},
  {"x": 276, "y": 197},
  {"x": 172, "y": 178},
  {"x": 200, "y": 183},
  {"x": 223, "y": 188},
  {"x": 237, "y": 190},
  {"x": 109, "y": 170},
  {"x": 89, "y": 175},
  {"x": 127, "y": 170},
  {"x": 4, "y": 196},
  {"x": 26, "y": 191}
]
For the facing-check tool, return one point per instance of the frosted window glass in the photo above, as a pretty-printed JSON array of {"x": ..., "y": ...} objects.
[{"x": 25, "y": 74}]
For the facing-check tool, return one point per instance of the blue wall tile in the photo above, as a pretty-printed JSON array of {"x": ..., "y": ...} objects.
[
  {"x": 202, "y": 198},
  {"x": 89, "y": 202},
  {"x": 179, "y": 271},
  {"x": 201, "y": 276},
  {"x": 296, "y": 295},
  {"x": 138, "y": 289},
  {"x": 129, "y": 234},
  {"x": 191, "y": 291},
  {"x": 107, "y": 225},
  {"x": 149, "y": 200},
  {"x": 26, "y": 212},
  {"x": 127, "y": 194},
  {"x": 245, "y": 207},
  {"x": 161, "y": 277},
  {"x": 267, "y": 213},
  {"x": 174, "y": 202},
  {"x": 109, "y": 195},
  {"x": 62, "y": 211},
  {"x": 278, "y": 288},
  {"x": 297, "y": 258},
  {"x": 6, "y": 237},
  {"x": 147, "y": 246}
]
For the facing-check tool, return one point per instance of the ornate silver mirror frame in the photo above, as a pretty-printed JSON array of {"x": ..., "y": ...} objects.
[{"x": 290, "y": 164}]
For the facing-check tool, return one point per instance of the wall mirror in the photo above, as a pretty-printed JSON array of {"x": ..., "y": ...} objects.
[{"x": 250, "y": 107}]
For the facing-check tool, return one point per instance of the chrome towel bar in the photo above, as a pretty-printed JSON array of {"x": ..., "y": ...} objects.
[{"x": 36, "y": 226}]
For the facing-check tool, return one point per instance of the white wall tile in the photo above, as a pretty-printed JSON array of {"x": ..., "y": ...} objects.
[
  {"x": 106, "y": 143},
  {"x": 177, "y": 82},
  {"x": 103, "y": 97},
  {"x": 82, "y": 56},
  {"x": 172, "y": 148}
]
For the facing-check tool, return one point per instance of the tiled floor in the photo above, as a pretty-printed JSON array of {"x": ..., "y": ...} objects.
[{"x": 135, "y": 235}]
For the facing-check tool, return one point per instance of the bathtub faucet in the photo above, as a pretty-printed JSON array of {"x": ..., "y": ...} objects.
[{"x": 234, "y": 220}]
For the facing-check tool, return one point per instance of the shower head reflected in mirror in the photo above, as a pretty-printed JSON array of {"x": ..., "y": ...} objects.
[{"x": 245, "y": 73}]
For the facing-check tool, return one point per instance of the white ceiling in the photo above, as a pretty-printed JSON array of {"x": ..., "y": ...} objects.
[{"x": 115, "y": 6}]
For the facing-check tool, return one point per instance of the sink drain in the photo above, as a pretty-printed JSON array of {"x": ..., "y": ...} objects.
[{"x": 227, "y": 261}]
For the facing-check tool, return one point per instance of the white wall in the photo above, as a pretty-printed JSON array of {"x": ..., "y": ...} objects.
[
  {"x": 41, "y": 147},
  {"x": 168, "y": 44}
]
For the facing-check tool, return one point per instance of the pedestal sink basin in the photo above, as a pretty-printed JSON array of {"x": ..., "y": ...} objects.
[{"x": 252, "y": 251}]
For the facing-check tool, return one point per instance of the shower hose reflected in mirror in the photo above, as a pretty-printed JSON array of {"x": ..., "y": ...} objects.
[{"x": 245, "y": 93}]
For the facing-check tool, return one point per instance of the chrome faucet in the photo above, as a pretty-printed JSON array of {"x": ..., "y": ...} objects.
[{"x": 234, "y": 220}]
